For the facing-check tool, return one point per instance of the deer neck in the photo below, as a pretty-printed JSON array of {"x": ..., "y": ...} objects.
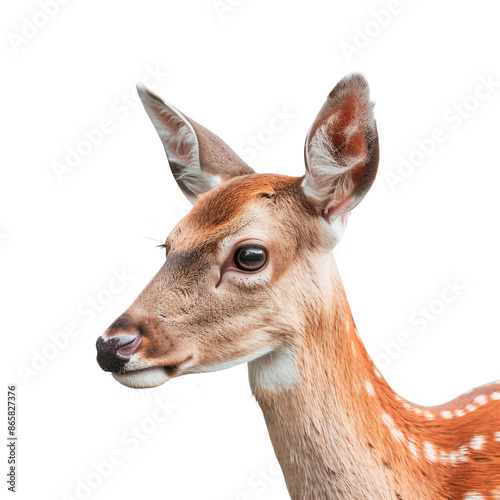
[{"x": 331, "y": 416}]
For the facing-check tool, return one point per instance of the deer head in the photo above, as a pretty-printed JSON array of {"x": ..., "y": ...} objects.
[{"x": 247, "y": 269}]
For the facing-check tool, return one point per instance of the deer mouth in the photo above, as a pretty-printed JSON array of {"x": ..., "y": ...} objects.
[
  {"x": 143, "y": 378},
  {"x": 146, "y": 378}
]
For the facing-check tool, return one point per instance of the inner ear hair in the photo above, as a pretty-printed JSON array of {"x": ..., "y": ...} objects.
[{"x": 341, "y": 150}]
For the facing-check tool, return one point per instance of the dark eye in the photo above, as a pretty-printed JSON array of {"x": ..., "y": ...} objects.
[{"x": 250, "y": 258}]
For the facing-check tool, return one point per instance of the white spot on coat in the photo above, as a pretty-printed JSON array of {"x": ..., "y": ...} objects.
[
  {"x": 477, "y": 442},
  {"x": 369, "y": 388},
  {"x": 430, "y": 451},
  {"x": 481, "y": 399},
  {"x": 413, "y": 449},
  {"x": 392, "y": 427}
]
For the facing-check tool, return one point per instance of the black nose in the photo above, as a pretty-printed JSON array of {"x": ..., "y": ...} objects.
[{"x": 113, "y": 353}]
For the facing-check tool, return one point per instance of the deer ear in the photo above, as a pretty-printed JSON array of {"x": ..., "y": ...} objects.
[
  {"x": 199, "y": 160},
  {"x": 341, "y": 150}
]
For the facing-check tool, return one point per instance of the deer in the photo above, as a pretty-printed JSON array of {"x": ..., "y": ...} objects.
[{"x": 249, "y": 277}]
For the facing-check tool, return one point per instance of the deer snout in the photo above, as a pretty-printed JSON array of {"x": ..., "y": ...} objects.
[{"x": 113, "y": 353}]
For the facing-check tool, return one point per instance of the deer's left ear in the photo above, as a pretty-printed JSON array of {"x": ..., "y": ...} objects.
[
  {"x": 199, "y": 160},
  {"x": 341, "y": 149}
]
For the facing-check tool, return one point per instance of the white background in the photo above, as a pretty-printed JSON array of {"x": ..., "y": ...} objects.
[{"x": 61, "y": 239}]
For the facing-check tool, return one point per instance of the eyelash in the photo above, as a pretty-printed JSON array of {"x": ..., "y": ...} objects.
[{"x": 164, "y": 248}]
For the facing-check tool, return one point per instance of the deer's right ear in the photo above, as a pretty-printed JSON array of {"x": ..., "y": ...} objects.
[
  {"x": 341, "y": 150},
  {"x": 199, "y": 160}
]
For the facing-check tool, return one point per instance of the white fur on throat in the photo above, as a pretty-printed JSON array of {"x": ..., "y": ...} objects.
[{"x": 276, "y": 370}]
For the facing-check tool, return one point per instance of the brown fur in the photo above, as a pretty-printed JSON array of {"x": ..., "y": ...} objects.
[
  {"x": 331, "y": 410},
  {"x": 338, "y": 429}
]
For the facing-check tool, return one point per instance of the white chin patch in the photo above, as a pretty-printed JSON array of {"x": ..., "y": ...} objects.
[{"x": 142, "y": 379}]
